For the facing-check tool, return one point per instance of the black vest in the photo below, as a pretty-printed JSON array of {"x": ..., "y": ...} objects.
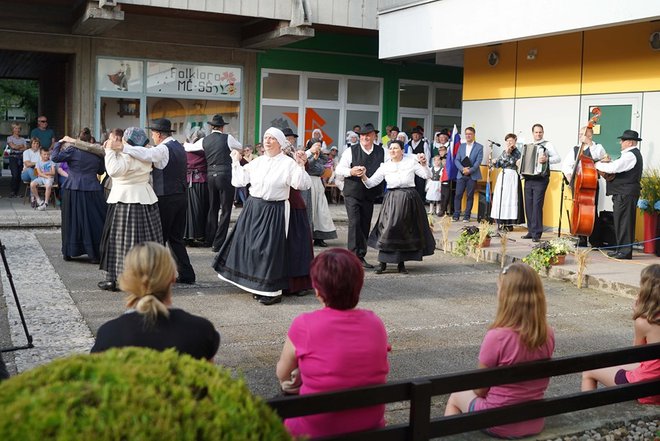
[
  {"x": 216, "y": 149},
  {"x": 420, "y": 147},
  {"x": 171, "y": 179},
  {"x": 628, "y": 182},
  {"x": 586, "y": 152},
  {"x": 353, "y": 186}
]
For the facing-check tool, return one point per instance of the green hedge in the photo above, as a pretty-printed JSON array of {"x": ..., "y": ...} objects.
[{"x": 133, "y": 394}]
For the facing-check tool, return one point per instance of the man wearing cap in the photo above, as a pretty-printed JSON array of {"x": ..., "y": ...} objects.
[
  {"x": 217, "y": 148},
  {"x": 291, "y": 137},
  {"x": 169, "y": 183},
  {"x": 362, "y": 158},
  {"x": 625, "y": 188}
]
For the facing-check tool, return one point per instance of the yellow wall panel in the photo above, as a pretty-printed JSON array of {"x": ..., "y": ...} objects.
[
  {"x": 620, "y": 59},
  {"x": 482, "y": 81},
  {"x": 555, "y": 70}
]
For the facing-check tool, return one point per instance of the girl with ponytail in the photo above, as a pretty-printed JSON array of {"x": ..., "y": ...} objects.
[{"x": 151, "y": 321}]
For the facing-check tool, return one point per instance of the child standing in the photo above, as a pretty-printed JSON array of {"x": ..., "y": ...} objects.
[
  {"x": 646, "y": 316},
  {"x": 446, "y": 199},
  {"x": 433, "y": 186},
  {"x": 45, "y": 171},
  {"x": 520, "y": 333}
]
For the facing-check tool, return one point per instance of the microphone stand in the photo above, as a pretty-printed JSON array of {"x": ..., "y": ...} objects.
[{"x": 29, "y": 344}]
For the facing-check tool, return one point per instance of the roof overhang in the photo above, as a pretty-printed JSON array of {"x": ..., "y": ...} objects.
[{"x": 444, "y": 25}]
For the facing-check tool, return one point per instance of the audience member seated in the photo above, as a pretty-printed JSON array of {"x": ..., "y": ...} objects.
[
  {"x": 520, "y": 333},
  {"x": 151, "y": 321},
  {"x": 45, "y": 171},
  {"x": 17, "y": 145},
  {"x": 335, "y": 347},
  {"x": 646, "y": 316},
  {"x": 30, "y": 158}
]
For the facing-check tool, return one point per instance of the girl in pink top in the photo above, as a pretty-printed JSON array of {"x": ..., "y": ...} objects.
[
  {"x": 336, "y": 347},
  {"x": 646, "y": 316},
  {"x": 519, "y": 333}
]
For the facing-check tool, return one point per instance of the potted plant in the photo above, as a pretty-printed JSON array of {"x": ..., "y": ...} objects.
[
  {"x": 469, "y": 239},
  {"x": 649, "y": 203},
  {"x": 548, "y": 253}
]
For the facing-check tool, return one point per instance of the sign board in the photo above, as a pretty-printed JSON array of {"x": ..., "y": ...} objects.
[{"x": 193, "y": 80}]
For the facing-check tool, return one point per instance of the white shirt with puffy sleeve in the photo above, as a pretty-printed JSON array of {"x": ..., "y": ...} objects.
[
  {"x": 399, "y": 174},
  {"x": 270, "y": 177}
]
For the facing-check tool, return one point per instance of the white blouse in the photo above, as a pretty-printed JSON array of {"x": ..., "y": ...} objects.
[
  {"x": 399, "y": 174},
  {"x": 270, "y": 177},
  {"x": 130, "y": 179}
]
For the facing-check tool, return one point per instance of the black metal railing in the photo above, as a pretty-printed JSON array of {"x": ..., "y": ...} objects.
[{"x": 419, "y": 392}]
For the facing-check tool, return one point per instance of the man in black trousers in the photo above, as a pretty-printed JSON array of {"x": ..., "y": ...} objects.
[
  {"x": 217, "y": 147},
  {"x": 625, "y": 189},
  {"x": 359, "y": 159},
  {"x": 169, "y": 183}
]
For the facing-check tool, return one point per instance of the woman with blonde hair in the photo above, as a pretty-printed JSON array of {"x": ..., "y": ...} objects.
[
  {"x": 151, "y": 321},
  {"x": 520, "y": 333}
]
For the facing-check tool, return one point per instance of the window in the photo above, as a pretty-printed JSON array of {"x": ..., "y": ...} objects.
[
  {"x": 363, "y": 92},
  {"x": 413, "y": 95},
  {"x": 323, "y": 89},
  {"x": 308, "y": 101},
  {"x": 448, "y": 98},
  {"x": 281, "y": 86}
]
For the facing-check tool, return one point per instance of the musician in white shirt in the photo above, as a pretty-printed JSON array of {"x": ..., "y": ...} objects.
[{"x": 536, "y": 185}]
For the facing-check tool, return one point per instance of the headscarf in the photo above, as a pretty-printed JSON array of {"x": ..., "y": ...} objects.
[
  {"x": 349, "y": 135},
  {"x": 436, "y": 144},
  {"x": 317, "y": 133},
  {"x": 405, "y": 137},
  {"x": 277, "y": 134},
  {"x": 196, "y": 135}
]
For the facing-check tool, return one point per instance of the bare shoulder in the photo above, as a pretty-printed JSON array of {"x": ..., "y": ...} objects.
[{"x": 650, "y": 331}]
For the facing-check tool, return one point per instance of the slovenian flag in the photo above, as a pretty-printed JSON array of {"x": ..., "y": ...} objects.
[{"x": 454, "y": 143}]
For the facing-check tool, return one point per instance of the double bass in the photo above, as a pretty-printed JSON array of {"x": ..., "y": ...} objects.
[{"x": 584, "y": 186}]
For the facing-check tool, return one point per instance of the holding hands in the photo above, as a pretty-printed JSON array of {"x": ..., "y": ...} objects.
[
  {"x": 358, "y": 171},
  {"x": 235, "y": 156},
  {"x": 421, "y": 158},
  {"x": 300, "y": 157}
]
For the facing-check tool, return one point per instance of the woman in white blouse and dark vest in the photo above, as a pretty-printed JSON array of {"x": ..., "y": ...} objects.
[
  {"x": 402, "y": 231},
  {"x": 133, "y": 215},
  {"x": 255, "y": 256}
]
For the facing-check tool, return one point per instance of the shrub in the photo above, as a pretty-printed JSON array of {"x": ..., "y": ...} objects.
[{"x": 133, "y": 394}]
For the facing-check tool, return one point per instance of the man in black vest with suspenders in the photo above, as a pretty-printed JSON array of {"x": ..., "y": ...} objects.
[
  {"x": 169, "y": 183},
  {"x": 359, "y": 159},
  {"x": 217, "y": 147},
  {"x": 625, "y": 189}
]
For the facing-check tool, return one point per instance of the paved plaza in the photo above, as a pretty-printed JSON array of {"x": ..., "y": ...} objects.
[{"x": 435, "y": 316}]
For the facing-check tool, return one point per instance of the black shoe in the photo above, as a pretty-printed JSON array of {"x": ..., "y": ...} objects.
[
  {"x": 301, "y": 293},
  {"x": 536, "y": 239},
  {"x": 66, "y": 258},
  {"x": 381, "y": 267},
  {"x": 612, "y": 253},
  {"x": 366, "y": 264},
  {"x": 267, "y": 300},
  {"x": 623, "y": 256},
  {"x": 108, "y": 285},
  {"x": 185, "y": 281},
  {"x": 93, "y": 261},
  {"x": 215, "y": 249},
  {"x": 320, "y": 243},
  {"x": 526, "y": 236},
  {"x": 402, "y": 268}
]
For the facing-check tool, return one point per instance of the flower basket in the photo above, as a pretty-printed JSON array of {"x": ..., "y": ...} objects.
[
  {"x": 486, "y": 242},
  {"x": 559, "y": 259},
  {"x": 468, "y": 241}
]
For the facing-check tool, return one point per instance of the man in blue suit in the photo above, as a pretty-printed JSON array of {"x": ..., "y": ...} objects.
[{"x": 467, "y": 163}]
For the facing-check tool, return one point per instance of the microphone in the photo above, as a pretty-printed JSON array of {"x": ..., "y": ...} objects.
[{"x": 495, "y": 143}]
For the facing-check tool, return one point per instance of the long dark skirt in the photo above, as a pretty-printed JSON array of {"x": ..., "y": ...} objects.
[
  {"x": 83, "y": 217},
  {"x": 299, "y": 243},
  {"x": 127, "y": 225},
  {"x": 255, "y": 255},
  {"x": 197, "y": 211},
  {"x": 402, "y": 230}
]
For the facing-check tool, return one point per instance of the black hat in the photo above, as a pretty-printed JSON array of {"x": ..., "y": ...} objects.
[
  {"x": 161, "y": 125},
  {"x": 420, "y": 128},
  {"x": 367, "y": 128},
  {"x": 217, "y": 121},
  {"x": 395, "y": 129},
  {"x": 417, "y": 130},
  {"x": 288, "y": 132},
  {"x": 630, "y": 134},
  {"x": 445, "y": 132}
]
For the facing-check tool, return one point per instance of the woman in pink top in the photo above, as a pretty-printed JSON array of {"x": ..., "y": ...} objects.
[
  {"x": 336, "y": 347},
  {"x": 646, "y": 316},
  {"x": 519, "y": 333}
]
